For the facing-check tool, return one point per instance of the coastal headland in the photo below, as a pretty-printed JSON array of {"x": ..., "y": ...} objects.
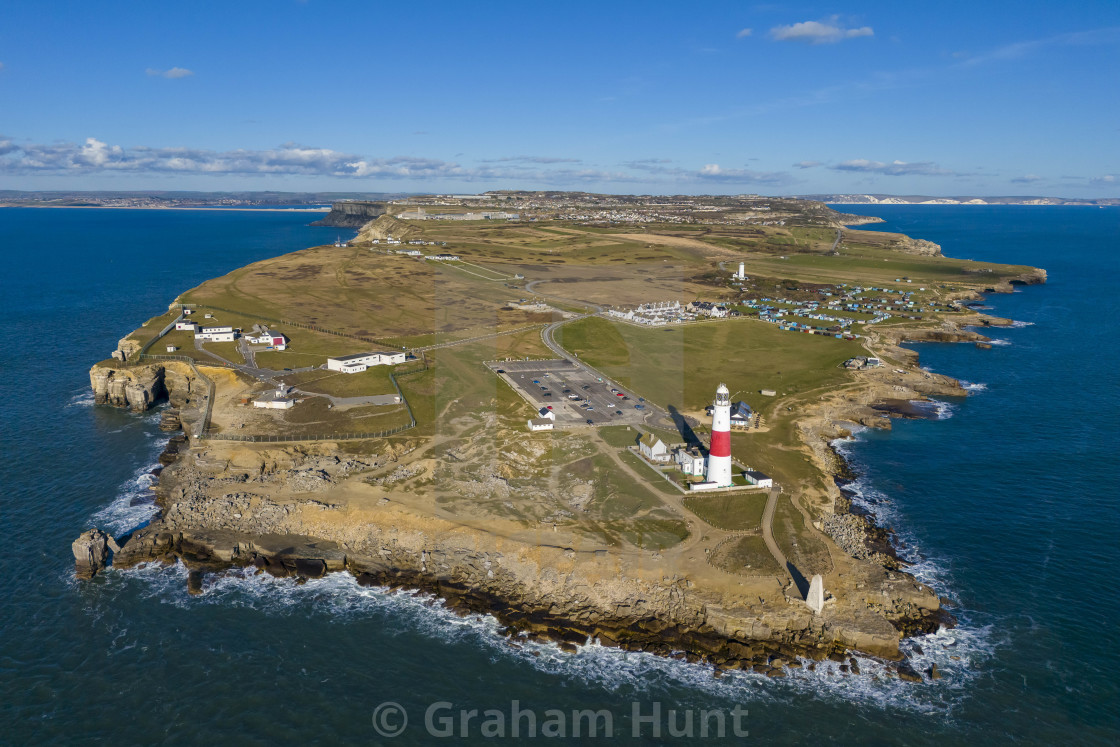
[{"x": 609, "y": 322}]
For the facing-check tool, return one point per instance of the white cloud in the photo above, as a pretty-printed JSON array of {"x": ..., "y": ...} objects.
[
  {"x": 806, "y": 164},
  {"x": 1106, "y": 179},
  {"x": 894, "y": 168},
  {"x": 828, "y": 31},
  {"x": 744, "y": 33},
  {"x": 94, "y": 156},
  {"x": 1026, "y": 179},
  {"x": 714, "y": 172},
  {"x": 175, "y": 72}
]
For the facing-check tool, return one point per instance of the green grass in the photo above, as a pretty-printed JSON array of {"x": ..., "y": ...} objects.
[
  {"x": 731, "y": 511},
  {"x": 374, "y": 380},
  {"x": 681, "y": 367},
  {"x": 619, "y": 435},
  {"x": 799, "y": 544},
  {"x": 746, "y": 555},
  {"x": 655, "y": 482}
]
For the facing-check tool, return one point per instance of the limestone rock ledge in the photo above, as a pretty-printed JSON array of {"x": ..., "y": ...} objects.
[
  {"x": 139, "y": 387},
  {"x": 217, "y": 517}
]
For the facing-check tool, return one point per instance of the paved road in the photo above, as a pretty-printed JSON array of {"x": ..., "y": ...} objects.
[
  {"x": 653, "y": 412},
  {"x": 836, "y": 243}
]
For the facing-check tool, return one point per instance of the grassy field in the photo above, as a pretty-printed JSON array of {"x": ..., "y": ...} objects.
[
  {"x": 680, "y": 367},
  {"x": 374, "y": 380},
  {"x": 731, "y": 511},
  {"x": 619, "y": 435},
  {"x": 746, "y": 555},
  {"x": 804, "y": 549}
]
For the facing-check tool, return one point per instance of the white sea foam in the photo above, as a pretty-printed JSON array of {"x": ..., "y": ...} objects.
[
  {"x": 133, "y": 507},
  {"x": 943, "y": 410},
  {"x": 339, "y": 599},
  {"x": 1020, "y": 325},
  {"x": 998, "y": 341},
  {"x": 973, "y": 386},
  {"x": 84, "y": 398}
]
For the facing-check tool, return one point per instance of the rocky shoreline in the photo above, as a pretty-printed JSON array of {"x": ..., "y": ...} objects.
[
  {"x": 227, "y": 505},
  {"x": 662, "y": 615}
]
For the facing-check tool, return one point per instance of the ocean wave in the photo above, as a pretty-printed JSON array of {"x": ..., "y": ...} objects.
[
  {"x": 943, "y": 410},
  {"x": 972, "y": 386},
  {"x": 133, "y": 507},
  {"x": 83, "y": 398},
  {"x": 339, "y": 599},
  {"x": 1020, "y": 325},
  {"x": 998, "y": 341}
]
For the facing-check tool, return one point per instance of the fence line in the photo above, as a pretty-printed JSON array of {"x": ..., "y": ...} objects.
[{"x": 147, "y": 346}]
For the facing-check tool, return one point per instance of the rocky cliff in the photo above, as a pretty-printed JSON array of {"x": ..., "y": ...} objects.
[
  {"x": 384, "y": 227},
  {"x": 351, "y": 214},
  {"x": 139, "y": 387},
  {"x": 304, "y": 511}
]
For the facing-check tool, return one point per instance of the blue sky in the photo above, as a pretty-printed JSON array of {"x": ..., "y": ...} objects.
[{"x": 945, "y": 98}]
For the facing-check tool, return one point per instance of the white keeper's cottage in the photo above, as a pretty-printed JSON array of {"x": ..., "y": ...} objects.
[{"x": 653, "y": 448}]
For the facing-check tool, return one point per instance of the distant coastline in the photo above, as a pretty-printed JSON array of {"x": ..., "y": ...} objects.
[{"x": 172, "y": 207}]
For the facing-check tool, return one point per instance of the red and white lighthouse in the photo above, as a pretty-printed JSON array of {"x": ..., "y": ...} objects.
[{"x": 719, "y": 456}]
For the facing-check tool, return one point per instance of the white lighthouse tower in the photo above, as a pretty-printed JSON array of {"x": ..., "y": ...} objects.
[
  {"x": 719, "y": 456},
  {"x": 742, "y": 271}
]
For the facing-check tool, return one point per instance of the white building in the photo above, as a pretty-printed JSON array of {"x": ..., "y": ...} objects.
[
  {"x": 277, "y": 340},
  {"x": 540, "y": 424},
  {"x": 690, "y": 461},
  {"x": 755, "y": 477},
  {"x": 215, "y": 334},
  {"x": 653, "y": 448},
  {"x": 277, "y": 400},
  {"x": 544, "y": 412},
  {"x": 186, "y": 325},
  {"x": 741, "y": 415},
  {"x": 359, "y": 362}
]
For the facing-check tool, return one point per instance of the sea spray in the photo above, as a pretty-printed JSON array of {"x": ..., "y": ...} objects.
[{"x": 338, "y": 599}]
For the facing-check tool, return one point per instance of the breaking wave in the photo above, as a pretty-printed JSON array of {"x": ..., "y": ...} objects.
[
  {"x": 133, "y": 507},
  {"x": 83, "y": 398},
  {"x": 973, "y": 386},
  {"x": 339, "y": 599}
]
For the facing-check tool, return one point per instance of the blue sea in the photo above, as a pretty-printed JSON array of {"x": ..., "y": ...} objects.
[{"x": 1007, "y": 505}]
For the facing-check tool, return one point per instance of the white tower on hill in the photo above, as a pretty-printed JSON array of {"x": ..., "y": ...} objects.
[{"x": 719, "y": 456}]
